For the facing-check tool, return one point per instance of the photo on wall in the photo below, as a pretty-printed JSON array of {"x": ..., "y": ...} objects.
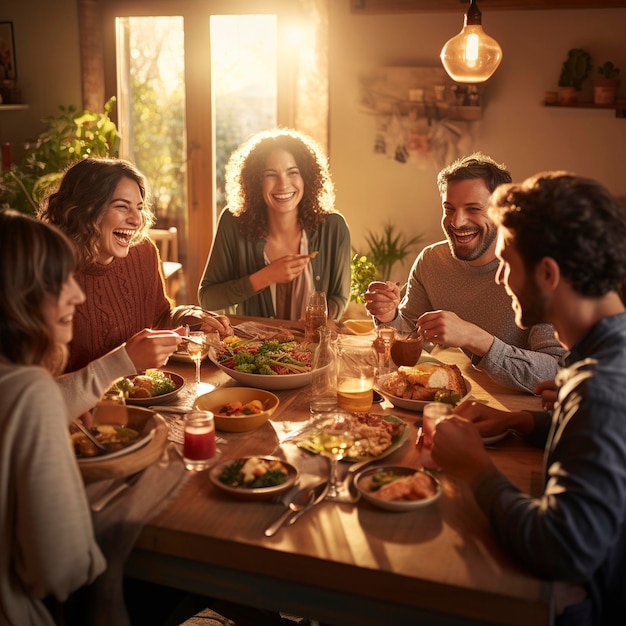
[{"x": 8, "y": 67}]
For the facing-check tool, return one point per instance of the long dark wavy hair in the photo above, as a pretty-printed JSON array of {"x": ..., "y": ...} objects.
[
  {"x": 85, "y": 190},
  {"x": 243, "y": 175},
  {"x": 36, "y": 259},
  {"x": 573, "y": 220}
]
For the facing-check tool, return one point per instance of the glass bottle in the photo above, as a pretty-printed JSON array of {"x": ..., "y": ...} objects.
[{"x": 324, "y": 373}]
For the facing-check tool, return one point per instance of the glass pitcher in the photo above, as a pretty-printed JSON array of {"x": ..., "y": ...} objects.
[{"x": 357, "y": 362}]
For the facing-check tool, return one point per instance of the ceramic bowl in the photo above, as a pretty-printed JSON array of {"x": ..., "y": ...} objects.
[
  {"x": 261, "y": 493},
  {"x": 363, "y": 484},
  {"x": 215, "y": 400}
]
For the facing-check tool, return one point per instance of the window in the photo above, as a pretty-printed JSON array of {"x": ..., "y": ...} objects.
[{"x": 193, "y": 79}]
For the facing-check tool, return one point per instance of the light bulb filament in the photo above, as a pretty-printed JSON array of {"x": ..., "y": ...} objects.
[{"x": 471, "y": 49}]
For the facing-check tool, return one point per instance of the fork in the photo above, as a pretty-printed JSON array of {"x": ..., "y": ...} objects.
[{"x": 88, "y": 434}]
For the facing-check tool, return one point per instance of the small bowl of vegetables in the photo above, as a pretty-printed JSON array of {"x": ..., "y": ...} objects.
[
  {"x": 254, "y": 477},
  {"x": 239, "y": 409}
]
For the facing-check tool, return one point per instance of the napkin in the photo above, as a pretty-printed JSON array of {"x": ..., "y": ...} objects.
[
  {"x": 312, "y": 467},
  {"x": 264, "y": 331}
]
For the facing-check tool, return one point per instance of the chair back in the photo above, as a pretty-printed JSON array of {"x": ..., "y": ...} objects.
[{"x": 166, "y": 240}]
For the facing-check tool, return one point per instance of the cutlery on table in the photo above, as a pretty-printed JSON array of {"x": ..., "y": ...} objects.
[
  {"x": 114, "y": 491},
  {"x": 321, "y": 490},
  {"x": 303, "y": 498},
  {"x": 88, "y": 434}
]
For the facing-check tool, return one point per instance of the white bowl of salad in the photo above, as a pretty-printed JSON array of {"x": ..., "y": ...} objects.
[{"x": 273, "y": 364}]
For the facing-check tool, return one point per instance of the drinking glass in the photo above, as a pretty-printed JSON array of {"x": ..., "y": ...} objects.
[
  {"x": 336, "y": 439},
  {"x": 386, "y": 336},
  {"x": 406, "y": 348},
  {"x": 199, "y": 449},
  {"x": 195, "y": 348},
  {"x": 316, "y": 315},
  {"x": 433, "y": 413}
]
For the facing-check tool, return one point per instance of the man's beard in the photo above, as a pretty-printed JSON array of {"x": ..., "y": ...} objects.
[
  {"x": 531, "y": 305},
  {"x": 485, "y": 239}
]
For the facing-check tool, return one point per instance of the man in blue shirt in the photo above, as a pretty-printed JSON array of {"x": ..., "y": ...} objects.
[{"x": 562, "y": 250}]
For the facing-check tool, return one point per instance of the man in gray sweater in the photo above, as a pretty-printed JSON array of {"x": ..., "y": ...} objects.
[{"x": 453, "y": 296}]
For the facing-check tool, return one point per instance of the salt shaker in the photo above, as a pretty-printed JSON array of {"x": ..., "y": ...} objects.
[{"x": 324, "y": 373}]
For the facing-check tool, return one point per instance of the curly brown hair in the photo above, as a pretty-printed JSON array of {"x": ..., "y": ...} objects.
[
  {"x": 244, "y": 177},
  {"x": 78, "y": 205}
]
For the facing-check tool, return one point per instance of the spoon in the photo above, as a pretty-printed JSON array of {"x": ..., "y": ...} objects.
[
  {"x": 301, "y": 500},
  {"x": 89, "y": 435}
]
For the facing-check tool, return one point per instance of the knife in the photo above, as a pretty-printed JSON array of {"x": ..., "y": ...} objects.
[{"x": 321, "y": 489}]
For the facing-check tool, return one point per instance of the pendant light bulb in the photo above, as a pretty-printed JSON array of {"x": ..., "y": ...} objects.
[{"x": 472, "y": 56}]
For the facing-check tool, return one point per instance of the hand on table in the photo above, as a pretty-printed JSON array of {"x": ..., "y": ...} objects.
[
  {"x": 490, "y": 422},
  {"x": 548, "y": 392},
  {"x": 382, "y": 300}
]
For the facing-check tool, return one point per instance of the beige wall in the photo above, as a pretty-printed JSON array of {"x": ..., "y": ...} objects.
[
  {"x": 515, "y": 128},
  {"x": 48, "y": 63},
  {"x": 372, "y": 189}
]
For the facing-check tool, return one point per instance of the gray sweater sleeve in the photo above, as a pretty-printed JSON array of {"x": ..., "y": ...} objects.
[
  {"x": 84, "y": 387},
  {"x": 522, "y": 368}
]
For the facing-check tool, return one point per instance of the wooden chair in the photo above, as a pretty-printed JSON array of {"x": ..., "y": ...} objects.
[{"x": 166, "y": 241}]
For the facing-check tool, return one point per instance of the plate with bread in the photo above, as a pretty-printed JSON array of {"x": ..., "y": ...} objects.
[{"x": 430, "y": 380}]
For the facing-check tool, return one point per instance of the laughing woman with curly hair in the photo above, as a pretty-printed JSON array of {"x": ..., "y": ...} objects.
[{"x": 279, "y": 237}]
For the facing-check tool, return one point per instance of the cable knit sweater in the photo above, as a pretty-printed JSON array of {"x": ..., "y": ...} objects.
[{"x": 123, "y": 298}]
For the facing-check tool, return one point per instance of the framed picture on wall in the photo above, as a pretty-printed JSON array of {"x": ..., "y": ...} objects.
[{"x": 8, "y": 67}]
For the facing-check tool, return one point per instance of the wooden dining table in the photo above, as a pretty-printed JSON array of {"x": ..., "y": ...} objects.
[{"x": 346, "y": 563}]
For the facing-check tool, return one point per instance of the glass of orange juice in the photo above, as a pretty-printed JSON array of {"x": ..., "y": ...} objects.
[{"x": 356, "y": 372}]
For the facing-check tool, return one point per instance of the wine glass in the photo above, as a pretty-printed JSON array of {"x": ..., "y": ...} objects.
[
  {"x": 195, "y": 348},
  {"x": 386, "y": 336},
  {"x": 316, "y": 315},
  {"x": 336, "y": 439}
]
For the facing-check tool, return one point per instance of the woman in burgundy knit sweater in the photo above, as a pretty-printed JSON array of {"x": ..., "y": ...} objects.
[{"x": 103, "y": 206}]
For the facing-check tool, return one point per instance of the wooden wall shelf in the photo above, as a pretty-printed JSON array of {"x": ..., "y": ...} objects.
[
  {"x": 367, "y": 7},
  {"x": 619, "y": 107},
  {"x": 13, "y": 107}
]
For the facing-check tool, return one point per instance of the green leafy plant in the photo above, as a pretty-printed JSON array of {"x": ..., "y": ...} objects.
[
  {"x": 362, "y": 273},
  {"x": 388, "y": 248},
  {"x": 608, "y": 70},
  {"x": 68, "y": 137},
  {"x": 575, "y": 68}
]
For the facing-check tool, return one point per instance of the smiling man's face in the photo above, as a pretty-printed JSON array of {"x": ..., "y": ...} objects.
[{"x": 470, "y": 233}]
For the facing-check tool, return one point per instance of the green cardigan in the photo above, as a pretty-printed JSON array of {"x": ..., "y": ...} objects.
[{"x": 233, "y": 257}]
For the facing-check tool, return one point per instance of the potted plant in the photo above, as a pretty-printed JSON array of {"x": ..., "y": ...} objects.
[
  {"x": 574, "y": 71},
  {"x": 387, "y": 248},
  {"x": 606, "y": 85},
  {"x": 68, "y": 137}
]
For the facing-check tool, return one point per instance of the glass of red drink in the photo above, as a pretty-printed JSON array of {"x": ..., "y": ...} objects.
[{"x": 199, "y": 449}]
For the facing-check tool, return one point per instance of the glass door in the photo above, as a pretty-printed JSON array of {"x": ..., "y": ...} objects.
[{"x": 191, "y": 84}]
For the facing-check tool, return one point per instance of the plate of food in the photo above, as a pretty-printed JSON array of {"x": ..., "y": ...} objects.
[
  {"x": 142, "y": 389},
  {"x": 270, "y": 364},
  {"x": 397, "y": 488},
  {"x": 254, "y": 477},
  {"x": 411, "y": 388},
  {"x": 375, "y": 436}
]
